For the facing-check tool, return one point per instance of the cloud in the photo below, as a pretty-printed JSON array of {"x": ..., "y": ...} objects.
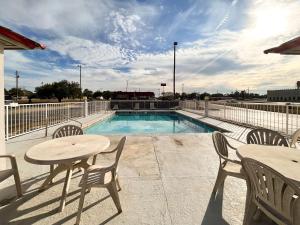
[{"x": 220, "y": 43}]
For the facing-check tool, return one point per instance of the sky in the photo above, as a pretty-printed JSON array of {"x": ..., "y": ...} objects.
[{"x": 220, "y": 43}]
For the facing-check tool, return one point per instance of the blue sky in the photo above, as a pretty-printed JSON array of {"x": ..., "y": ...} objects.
[{"x": 220, "y": 43}]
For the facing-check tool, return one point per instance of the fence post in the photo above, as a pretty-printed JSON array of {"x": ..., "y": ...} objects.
[
  {"x": 46, "y": 118},
  {"x": 247, "y": 114},
  {"x": 287, "y": 118},
  {"x": 6, "y": 128},
  {"x": 206, "y": 98},
  {"x": 225, "y": 110},
  {"x": 86, "y": 107},
  {"x": 68, "y": 111}
]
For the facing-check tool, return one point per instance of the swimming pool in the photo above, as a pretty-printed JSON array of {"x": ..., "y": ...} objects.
[{"x": 148, "y": 123}]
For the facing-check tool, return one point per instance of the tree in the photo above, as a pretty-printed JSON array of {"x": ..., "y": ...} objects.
[
  {"x": 44, "y": 91},
  {"x": 60, "y": 90},
  {"x": 97, "y": 94},
  {"x": 106, "y": 95},
  {"x": 88, "y": 93},
  {"x": 13, "y": 92}
]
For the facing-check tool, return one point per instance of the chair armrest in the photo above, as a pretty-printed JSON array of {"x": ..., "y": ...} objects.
[
  {"x": 7, "y": 156},
  {"x": 108, "y": 152},
  {"x": 230, "y": 160},
  {"x": 231, "y": 146},
  {"x": 13, "y": 160}
]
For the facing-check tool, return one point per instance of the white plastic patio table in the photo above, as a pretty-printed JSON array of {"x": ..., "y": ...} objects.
[
  {"x": 282, "y": 159},
  {"x": 69, "y": 153}
]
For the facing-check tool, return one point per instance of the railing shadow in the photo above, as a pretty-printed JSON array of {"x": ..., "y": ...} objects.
[
  {"x": 13, "y": 212},
  {"x": 213, "y": 213}
]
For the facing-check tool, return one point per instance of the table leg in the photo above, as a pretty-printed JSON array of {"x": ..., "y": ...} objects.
[
  {"x": 60, "y": 168},
  {"x": 65, "y": 189}
]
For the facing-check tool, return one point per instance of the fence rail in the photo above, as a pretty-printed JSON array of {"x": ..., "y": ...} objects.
[
  {"x": 284, "y": 118},
  {"x": 24, "y": 118}
]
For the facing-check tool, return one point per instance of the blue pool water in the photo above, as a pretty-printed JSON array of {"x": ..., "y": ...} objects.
[{"x": 148, "y": 123}]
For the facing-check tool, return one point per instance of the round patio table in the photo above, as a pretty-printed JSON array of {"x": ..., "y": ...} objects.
[
  {"x": 282, "y": 159},
  {"x": 69, "y": 153}
]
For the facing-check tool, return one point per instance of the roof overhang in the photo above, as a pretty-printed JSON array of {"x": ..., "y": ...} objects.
[
  {"x": 291, "y": 47},
  {"x": 14, "y": 41}
]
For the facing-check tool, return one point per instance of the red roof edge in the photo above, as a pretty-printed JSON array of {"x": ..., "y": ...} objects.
[
  {"x": 285, "y": 46},
  {"x": 20, "y": 38}
]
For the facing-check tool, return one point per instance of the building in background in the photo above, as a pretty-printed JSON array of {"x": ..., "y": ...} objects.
[
  {"x": 284, "y": 95},
  {"x": 120, "y": 95}
]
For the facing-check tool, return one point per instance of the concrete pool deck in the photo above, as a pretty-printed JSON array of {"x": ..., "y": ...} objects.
[{"x": 165, "y": 179}]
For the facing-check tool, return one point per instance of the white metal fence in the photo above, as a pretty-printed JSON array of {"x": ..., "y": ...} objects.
[
  {"x": 284, "y": 118},
  {"x": 24, "y": 118}
]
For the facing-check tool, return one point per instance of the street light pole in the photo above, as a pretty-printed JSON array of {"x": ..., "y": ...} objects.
[
  {"x": 17, "y": 84},
  {"x": 80, "y": 78},
  {"x": 175, "y": 43}
]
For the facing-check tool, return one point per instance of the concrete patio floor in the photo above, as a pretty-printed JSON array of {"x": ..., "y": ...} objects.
[{"x": 165, "y": 180}]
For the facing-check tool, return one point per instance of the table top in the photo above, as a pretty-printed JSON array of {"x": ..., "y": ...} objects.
[
  {"x": 66, "y": 149},
  {"x": 282, "y": 159}
]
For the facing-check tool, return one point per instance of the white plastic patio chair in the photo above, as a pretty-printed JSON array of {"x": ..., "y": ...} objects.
[
  {"x": 262, "y": 136},
  {"x": 272, "y": 193},
  {"x": 102, "y": 177},
  {"x": 227, "y": 167},
  {"x": 294, "y": 140},
  {"x": 13, "y": 171},
  {"x": 152, "y": 106},
  {"x": 136, "y": 106},
  {"x": 116, "y": 107},
  {"x": 64, "y": 131}
]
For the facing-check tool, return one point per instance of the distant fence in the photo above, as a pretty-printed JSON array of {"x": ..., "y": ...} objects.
[
  {"x": 284, "y": 118},
  {"x": 143, "y": 104},
  {"x": 24, "y": 118}
]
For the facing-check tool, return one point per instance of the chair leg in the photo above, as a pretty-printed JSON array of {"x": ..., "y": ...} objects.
[
  {"x": 219, "y": 181},
  {"x": 250, "y": 211},
  {"x": 94, "y": 159},
  {"x": 18, "y": 184},
  {"x": 80, "y": 206},
  {"x": 118, "y": 184},
  {"x": 112, "y": 189}
]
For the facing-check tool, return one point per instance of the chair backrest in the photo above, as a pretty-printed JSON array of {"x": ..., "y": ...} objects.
[
  {"x": 278, "y": 196},
  {"x": 295, "y": 137},
  {"x": 137, "y": 105},
  {"x": 220, "y": 143},
  {"x": 152, "y": 105},
  {"x": 120, "y": 148},
  {"x": 266, "y": 137},
  {"x": 67, "y": 130}
]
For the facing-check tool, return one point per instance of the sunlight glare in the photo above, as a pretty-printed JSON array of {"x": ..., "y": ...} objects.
[{"x": 269, "y": 22}]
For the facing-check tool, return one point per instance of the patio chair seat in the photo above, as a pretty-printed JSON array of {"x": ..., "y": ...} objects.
[
  {"x": 4, "y": 174},
  {"x": 234, "y": 169},
  {"x": 95, "y": 178}
]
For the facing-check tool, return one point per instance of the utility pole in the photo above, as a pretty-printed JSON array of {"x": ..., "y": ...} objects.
[
  {"x": 17, "y": 84},
  {"x": 182, "y": 88},
  {"x": 126, "y": 85},
  {"x": 175, "y": 43},
  {"x": 80, "y": 78}
]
